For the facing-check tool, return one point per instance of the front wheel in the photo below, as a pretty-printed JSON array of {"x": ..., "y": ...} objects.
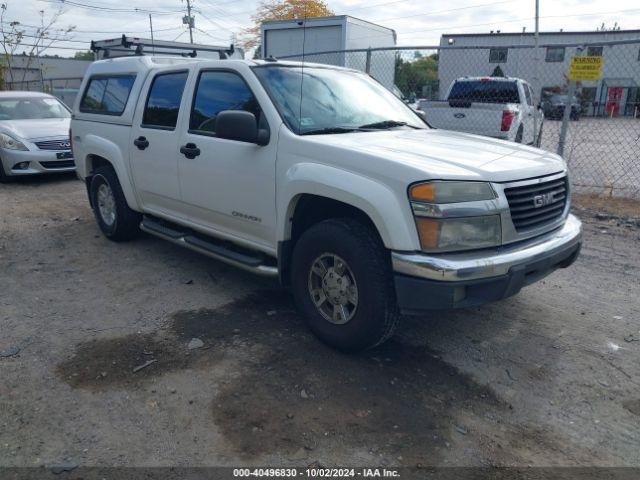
[
  {"x": 343, "y": 284},
  {"x": 4, "y": 178},
  {"x": 116, "y": 220}
]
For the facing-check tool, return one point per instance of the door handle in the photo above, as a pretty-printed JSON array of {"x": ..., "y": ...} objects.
[
  {"x": 141, "y": 143},
  {"x": 190, "y": 150}
]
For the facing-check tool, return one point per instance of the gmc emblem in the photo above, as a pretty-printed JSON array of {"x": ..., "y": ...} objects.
[{"x": 542, "y": 200}]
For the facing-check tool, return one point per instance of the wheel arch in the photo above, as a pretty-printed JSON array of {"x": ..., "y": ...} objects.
[
  {"x": 309, "y": 199},
  {"x": 105, "y": 153}
]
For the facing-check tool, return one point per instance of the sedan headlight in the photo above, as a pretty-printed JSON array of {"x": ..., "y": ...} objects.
[
  {"x": 8, "y": 142},
  {"x": 462, "y": 233},
  {"x": 451, "y": 192}
]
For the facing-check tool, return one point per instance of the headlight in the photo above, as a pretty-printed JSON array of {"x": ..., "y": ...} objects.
[
  {"x": 451, "y": 192},
  {"x": 7, "y": 141},
  {"x": 462, "y": 233}
]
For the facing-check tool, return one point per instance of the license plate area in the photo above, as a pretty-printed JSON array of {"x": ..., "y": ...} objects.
[{"x": 64, "y": 155}]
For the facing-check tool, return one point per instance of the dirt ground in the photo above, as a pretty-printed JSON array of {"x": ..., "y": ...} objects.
[{"x": 549, "y": 377}]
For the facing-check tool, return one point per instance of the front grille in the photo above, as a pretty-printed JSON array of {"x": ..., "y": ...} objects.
[
  {"x": 58, "y": 164},
  {"x": 61, "y": 144},
  {"x": 536, "y": 205}
]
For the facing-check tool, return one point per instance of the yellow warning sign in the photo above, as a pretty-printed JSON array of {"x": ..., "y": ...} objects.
[{"x": 585, "y": 68}]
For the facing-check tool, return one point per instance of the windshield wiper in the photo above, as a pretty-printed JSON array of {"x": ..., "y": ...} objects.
[
  {"x": 328, "y": 130},
  {"x": 386, "y": 124}
]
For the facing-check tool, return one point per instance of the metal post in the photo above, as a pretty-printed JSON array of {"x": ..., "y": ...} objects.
[
  {"x": 153, "y": 48},
  {"x": 536, "y": 71},
  {"x": 567, "y": 113},
  {"x": 367, "y": 67}
]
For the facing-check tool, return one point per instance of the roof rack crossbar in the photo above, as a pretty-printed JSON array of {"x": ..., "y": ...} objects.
[{"x": 138, "y": 46}]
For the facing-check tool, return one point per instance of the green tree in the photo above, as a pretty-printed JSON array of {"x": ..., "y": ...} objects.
[
  {"x": 497, "y": 72},
  {"x": 413, "y": 76},
  {"x": 88, "y": 55}
]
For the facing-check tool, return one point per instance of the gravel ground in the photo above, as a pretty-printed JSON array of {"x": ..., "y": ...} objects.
[{"x": 549, "y": 377}]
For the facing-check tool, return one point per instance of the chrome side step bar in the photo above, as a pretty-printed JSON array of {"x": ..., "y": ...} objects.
[{"x": 211, "y": 249}]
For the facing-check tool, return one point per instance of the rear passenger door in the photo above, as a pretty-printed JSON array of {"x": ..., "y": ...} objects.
[
  {"x": 229, "y": 186},
  {"x": 154, "y": 142}
]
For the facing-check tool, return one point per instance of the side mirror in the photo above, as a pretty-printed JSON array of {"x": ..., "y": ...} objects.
[
  {"x": 540, "y": 105},
  {"x": 240, "y": 126},
  {"x": 421, "y": 114}
]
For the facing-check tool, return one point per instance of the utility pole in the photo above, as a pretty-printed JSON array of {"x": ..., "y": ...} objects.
[
  {"x": 536, "y": 72},
  {"x": 188, "y": 20},
  {"x": 153, "y": 47}
]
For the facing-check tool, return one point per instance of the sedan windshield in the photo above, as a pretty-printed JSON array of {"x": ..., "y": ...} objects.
[
  {"x": 316, "y": 100},
  {"x": 32, "y": 108}
]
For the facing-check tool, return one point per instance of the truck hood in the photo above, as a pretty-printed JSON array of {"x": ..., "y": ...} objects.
[
  {"x": 36, "y": 128},
  {"x": 442, "y": 154}
]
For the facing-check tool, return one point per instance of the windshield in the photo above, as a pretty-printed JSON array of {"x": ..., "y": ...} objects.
[
  {"x": 31, "y": 108},
  {"x": 485, "y": 91},
  {"x": 326, "y": 100}
]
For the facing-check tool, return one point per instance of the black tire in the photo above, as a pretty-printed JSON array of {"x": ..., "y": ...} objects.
[
  {"x": 539, "y": 139},
  {"x": 376, "y": 315},
  {"x": 519, "y": 134},
  {"x": 126, "y": 222}
]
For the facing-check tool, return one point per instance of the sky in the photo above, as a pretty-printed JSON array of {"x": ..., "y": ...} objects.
[{"x": 417, "y": 22}]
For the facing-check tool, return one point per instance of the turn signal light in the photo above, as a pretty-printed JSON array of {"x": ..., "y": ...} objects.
[
  {"x": 424, "y": 192},
  {"x": 428, "y": 231}
]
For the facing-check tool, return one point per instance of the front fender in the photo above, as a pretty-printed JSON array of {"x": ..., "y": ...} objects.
[
  {"x": 388, "y": 210},
  {"x": 94, "y": 145}
]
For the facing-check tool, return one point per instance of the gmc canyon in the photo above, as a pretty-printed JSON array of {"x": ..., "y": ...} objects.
[{"x": 318, "y": 176}]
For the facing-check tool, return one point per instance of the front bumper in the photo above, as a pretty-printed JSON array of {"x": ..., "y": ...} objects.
[
  {"x": 40, "y": 161},
  {"x": 465, "y": 279}
]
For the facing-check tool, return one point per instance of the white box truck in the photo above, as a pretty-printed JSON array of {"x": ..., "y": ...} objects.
[{"x": 290, "y": 39}]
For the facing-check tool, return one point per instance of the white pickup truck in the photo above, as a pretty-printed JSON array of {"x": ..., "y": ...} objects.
[
  {"x": 498, "y": 107},
  {"x": 320, "y": 177}
]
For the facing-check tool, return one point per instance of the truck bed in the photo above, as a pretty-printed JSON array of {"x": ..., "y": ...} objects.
[{"x": 478, "y": 118}]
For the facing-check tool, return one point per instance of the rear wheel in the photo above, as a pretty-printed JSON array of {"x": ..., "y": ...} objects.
[
  {"x": 346, "y": 297},
  {"x": 116, "y": 220}
]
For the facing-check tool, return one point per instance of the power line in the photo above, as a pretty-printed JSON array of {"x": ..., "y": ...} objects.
[{"x": 109, "y": 9}]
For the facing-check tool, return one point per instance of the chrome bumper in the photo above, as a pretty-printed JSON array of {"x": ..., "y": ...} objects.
[{"x": 482, "y": 264}]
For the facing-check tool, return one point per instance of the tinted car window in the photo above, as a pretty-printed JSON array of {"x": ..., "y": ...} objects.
[
  {"x": 485, "y": 91},
  {"x": 107, "y": 95},
  {"x": 218, "y": 91},
  {"x": 163, "y": 103}
]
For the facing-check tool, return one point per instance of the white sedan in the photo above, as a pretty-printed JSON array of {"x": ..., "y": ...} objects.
[{"x": 34, "y": 135}]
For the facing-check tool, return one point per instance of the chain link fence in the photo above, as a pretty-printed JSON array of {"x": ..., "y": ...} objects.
[{"x": 595, "y": 124}]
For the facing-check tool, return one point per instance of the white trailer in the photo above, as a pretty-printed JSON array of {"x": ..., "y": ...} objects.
[{"x": 292, "y": 38}]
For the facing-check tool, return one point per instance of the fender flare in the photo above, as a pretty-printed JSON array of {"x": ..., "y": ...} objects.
[
  {"x": 390, "y": 214},
  {"x": 99, "y": 146}
]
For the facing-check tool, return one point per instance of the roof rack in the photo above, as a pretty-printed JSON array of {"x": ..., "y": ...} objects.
[{"x": 125, "y": 46}]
